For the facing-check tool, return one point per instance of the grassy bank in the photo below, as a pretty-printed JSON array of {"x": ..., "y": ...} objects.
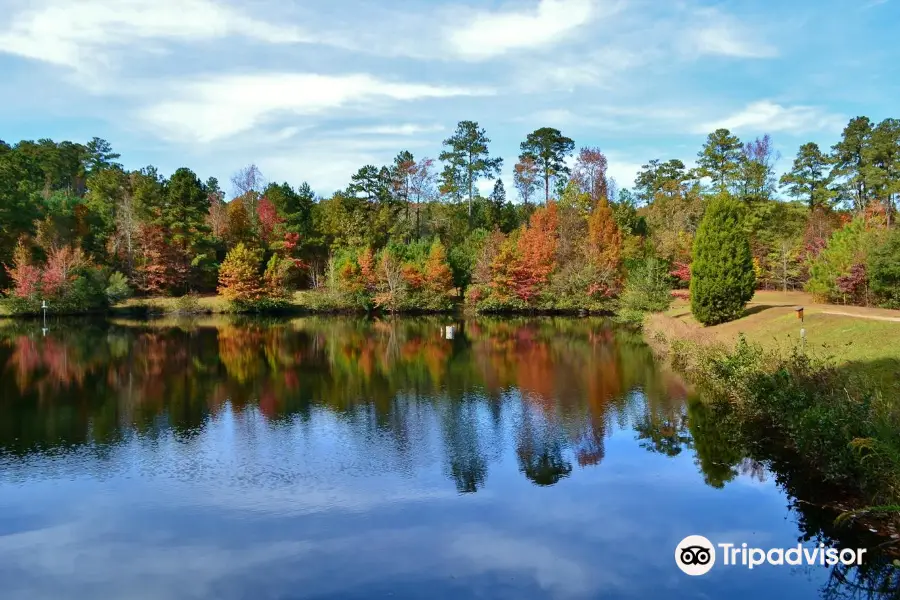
[
  {"x": 829, "y": 420},
  {"x": 305, "y": 301},
  {"x": 862, "y": 340},
  {"x": 830, "y": 407}
]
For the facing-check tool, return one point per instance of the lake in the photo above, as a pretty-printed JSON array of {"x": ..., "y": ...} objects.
[{"x": 341, "y": 457}]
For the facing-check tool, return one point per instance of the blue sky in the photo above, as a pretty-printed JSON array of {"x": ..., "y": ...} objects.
[{"x": 313, "y": 90}]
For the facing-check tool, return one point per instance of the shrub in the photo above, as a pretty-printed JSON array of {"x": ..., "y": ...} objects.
[
  {"x": 276, "y": 277},
  {"x": 117, "y": 288},
  {"x": 722, "y": 275},
  {"x": 831, "y": 271},
  {"x": 834, "y": 423},
  {"x": 67, "y": 282},
  {"x": 189, "y": 304},
  {"x": 647, "y": 288}
]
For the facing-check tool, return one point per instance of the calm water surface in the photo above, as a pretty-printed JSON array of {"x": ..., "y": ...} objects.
[{"x": 344, "y": 458}]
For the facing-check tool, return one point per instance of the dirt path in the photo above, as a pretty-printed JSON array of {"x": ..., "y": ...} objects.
[{"x": 859, "y": 316}]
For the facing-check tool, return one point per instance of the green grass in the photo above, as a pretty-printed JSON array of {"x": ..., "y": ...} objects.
[{"x": 867, "y": 346}]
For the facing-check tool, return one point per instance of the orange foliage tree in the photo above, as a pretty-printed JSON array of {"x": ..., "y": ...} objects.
[
  {"x": 604, "y": 240},
  {"x": 536, "y": 253},
  {"x": 438, "y": 278}
]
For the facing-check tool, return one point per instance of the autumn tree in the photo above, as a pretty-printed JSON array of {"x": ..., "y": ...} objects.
[
  {"x": 604, "y": 240},
  {"x": 25, "y": 277},
  {"x": 590, "y": 173},
  {"x": 437, "y": 277},
  {"x": 548, "y": 148},
  {"x": 238, "y": 226},
  {"x": 239, "y": 279},
  {"x": 536, "y": 248},
  {"x": 391, "y": 289},
  {"x": 217, "y": 218},
  {"x": 525, "y": 177},
  {"x": 756, "y": 176},
  {"x": 269, "y": 221}
]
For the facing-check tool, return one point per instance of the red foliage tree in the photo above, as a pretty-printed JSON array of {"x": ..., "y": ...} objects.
[
  {"x": 854, "y": 284},
  {"x": 26, "y": 278},
  {"x": 162, "y": 267},
  {"x": 58, "y": 272},
  {"x": 413, "y": 277},
  {"x": 269, "y": 219}
]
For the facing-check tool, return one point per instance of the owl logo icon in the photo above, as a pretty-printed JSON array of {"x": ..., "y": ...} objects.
[{"x": 695, "y": 555}]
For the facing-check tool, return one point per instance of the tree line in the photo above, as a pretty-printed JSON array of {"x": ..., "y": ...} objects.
[{"x": 81, "y": 230}]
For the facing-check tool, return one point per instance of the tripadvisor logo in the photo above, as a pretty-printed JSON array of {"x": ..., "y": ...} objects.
[{"x": 696, "y": 555}]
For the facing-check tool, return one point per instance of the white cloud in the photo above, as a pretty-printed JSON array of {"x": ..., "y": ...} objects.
[
  {"x": 85, "y": 33},
  {"x": 490, "y": 34},
  {"x": 716, "y": 34},
  {"x": 404, "y": 129},
  {"x": 768, "y": 117},
  {"x": 221, "y": 106}
]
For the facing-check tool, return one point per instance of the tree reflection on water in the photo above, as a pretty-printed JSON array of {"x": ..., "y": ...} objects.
[{"x": 552, "y": 389}]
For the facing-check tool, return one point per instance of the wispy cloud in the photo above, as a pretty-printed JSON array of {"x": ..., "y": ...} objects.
[
  {"x": 404, "y": 129},
  {"x": 766, "y": 116},
  {"x": 224, "y": 105},
  {"x": 488, "y": 34},
  {"x": 83, "y": 34},
  {"x": 713, "y": 33}
]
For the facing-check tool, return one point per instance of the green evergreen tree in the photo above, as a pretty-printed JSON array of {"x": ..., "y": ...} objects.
[
  {"x": 809, "y": 177},
  {"x": 722, "y": 276},
  {"x": 183, "y": 217},
  {"x": 721, "y": 159},
  {"x": 466, "y": 160},
  {"x": 850, "y": 164},
  {"x": 548, "y": 148}
]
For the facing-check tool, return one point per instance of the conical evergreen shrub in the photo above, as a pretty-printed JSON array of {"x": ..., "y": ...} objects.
[{"x": 722, "y": 276}]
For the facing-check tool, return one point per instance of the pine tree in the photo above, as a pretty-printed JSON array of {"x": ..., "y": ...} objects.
[
  {"x": 721, "y": 159},
  {"x": 809, "y": 177},
  {"x": 722, "y": 275},
  {"x": 548, "y": 148}
]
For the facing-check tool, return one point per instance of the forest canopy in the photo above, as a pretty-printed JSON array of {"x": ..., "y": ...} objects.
[{"x": 79, "y": 227}]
